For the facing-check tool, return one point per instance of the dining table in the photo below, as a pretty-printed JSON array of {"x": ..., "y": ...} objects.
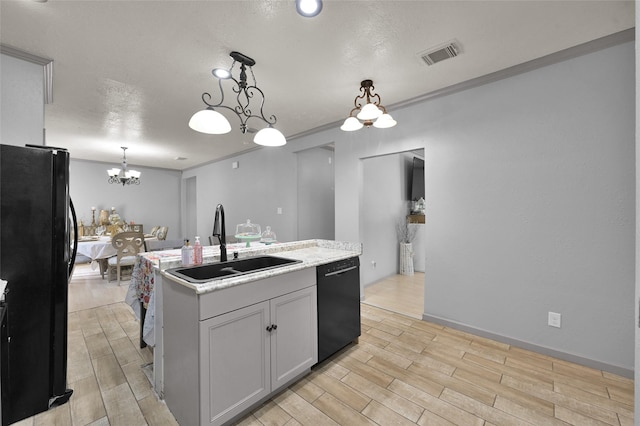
[{"x": 98, "y": 249}]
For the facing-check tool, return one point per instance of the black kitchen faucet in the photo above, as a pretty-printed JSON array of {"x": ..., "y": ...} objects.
[{"x": 219, "y": 231}]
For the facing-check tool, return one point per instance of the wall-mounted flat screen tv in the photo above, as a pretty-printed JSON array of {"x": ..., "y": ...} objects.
[{"x": 417, "y": 179}]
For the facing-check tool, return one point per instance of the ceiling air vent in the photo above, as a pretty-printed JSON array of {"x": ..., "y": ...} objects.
[{"x": 438, "y": 54}]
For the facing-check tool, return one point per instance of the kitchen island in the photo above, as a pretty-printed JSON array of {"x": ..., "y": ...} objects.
[{"x": 198, "y": 378}]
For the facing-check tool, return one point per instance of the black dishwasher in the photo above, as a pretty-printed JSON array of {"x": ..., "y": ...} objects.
[{"x": 338, "y": 305}]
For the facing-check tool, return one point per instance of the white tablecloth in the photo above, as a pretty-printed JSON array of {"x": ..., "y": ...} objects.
[{"x": 100, "y": 249}]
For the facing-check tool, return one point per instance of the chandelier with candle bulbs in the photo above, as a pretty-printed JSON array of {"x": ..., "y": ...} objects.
[
  {"x": 212, "y": 122},
  {"x": 124, "y": 175},
  {"x": 368, "y": 111}
]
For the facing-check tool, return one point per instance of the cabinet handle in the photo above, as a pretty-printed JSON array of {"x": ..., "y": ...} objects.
[
  {"x": 274, "y": 327},
  {"x": 271, "y": 327}
]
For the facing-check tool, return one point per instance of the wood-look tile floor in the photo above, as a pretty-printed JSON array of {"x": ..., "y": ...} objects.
[
  {"x": 403, "y": 294},
  {"x": 403, "y": 371},
  {"x": 104, "y": 361},
  {"x": 88, "y": 289}
]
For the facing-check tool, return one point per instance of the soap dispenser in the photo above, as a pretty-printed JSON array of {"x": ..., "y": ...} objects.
[
  {"x": 197, "y": 252},
  {"x": 187, "y": 254}
]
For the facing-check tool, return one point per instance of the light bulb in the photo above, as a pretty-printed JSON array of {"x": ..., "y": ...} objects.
[{"x": 221, "y": 73}]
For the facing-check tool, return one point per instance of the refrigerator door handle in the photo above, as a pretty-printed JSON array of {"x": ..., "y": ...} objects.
[{"x": 72, "y": 260}]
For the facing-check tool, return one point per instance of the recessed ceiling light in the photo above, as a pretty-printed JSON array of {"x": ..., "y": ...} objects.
[
  {"x": 180, "y": 158},
  {"x": 309, "y": 8}
]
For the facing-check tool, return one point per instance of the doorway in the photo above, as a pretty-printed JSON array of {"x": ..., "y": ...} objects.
[{"x": 384, "y": 205}]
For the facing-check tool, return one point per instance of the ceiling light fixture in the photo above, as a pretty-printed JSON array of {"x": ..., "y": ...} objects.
[
  {"x": 124, "y": 176},
  {"x": 212, "y": 122},
  {"x": 309, "y": 8},
  {"x": 368, "y": 113}
]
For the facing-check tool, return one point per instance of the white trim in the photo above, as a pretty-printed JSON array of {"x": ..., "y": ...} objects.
[
  {"x": 47, "y": 67},
  {"x": 598, "y": 365}
]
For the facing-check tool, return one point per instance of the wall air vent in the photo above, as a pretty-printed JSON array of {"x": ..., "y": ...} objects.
[{"x": 439, "y": 54}]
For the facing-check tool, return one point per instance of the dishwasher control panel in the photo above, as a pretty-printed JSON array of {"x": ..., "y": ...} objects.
[{"x": 339, "y": 265}]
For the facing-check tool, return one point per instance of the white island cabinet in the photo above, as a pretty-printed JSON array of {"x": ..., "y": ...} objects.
[{"x": 227, "y": 350}]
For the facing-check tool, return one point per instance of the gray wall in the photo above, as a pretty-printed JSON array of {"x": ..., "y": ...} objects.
[
  {"x": 264, "y": 181},
  {"x": 21, "y": 102},
  {"x": 155, "y": 202},
  {"x": 316, "y": 194},
  {"x": 530, "y": 204},
  {"x": 191, "y": 211},
  {"x": 297, "y": 175},
  {"x": 537, "y": 214},
  {"x": 637, "y": 268}
]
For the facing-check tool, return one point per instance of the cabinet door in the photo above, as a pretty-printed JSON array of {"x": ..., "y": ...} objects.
[
  {"x": 235, "y": 359},
  {"x": 294, "y": 343}
]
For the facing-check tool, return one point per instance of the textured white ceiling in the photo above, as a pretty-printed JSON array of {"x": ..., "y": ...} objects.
[{"x": 131, "y": 73}]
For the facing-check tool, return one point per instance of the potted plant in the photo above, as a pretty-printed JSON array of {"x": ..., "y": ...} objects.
[{"x": 406, "y": 234}]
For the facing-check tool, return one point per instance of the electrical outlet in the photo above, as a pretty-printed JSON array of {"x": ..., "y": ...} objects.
[
  {"x": 555, "y": 319},
  {"x": 279, "y": 210},
  {"x": 373, "y": 263}
]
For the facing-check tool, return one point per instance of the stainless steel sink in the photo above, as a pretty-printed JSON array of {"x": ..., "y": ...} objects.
[{"x": 220, "y": 270}]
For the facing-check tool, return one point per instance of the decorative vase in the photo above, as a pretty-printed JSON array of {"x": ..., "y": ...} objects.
[
  {"x": 114, "y": 217},
  {"x": 104, "y": 217},
  {"x": 406, "y": 259}
]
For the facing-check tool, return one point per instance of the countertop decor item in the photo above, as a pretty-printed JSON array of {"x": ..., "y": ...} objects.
[
  {"x": 268, "y": 236},
  {"x": 125, "y": 176},
  {"x": 369, "y": 111},
  {"x": 212, "y": 122},
  {"x": 248, "y": 232}
]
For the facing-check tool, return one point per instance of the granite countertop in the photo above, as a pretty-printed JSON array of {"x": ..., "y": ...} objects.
[{"x": 311, "y": 253}]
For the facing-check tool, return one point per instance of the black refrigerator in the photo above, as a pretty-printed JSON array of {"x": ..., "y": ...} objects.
[{"x": 36, "y": 229}]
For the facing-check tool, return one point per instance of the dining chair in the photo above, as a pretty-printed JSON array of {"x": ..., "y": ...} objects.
[
  {"x": 154, "y": 231},
  {"x": 127, "y": 244},
  {"x": 162, "y": 232},
  {"x": 158, "y": 245}
]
